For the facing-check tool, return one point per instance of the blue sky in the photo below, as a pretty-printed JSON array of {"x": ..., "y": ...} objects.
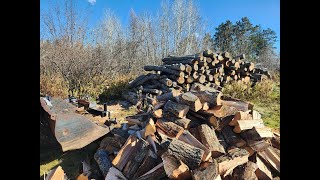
[{"x": 263, "y": 12}]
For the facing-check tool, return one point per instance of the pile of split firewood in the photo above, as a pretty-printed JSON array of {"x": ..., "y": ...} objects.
[
  {"x": 199, "y": 134},
  {"x": 181, "y": 72}
]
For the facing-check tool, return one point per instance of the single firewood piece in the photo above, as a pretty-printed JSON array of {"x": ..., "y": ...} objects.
[
  {"x": 205, "y": 106},
  {"x": 237, "y": 103},
  {"x": 157, "y": 113},
  {"x": 209, "y": 139},
  {"x": 263, "y": 172},
  {"x": 195, "y": 75},
  {"x": 179, "y": 79},
  {"x": 195, "y": 67},
  {"x": 221, "y": 111},
  {"x": 209, "y": 60},
  {"x": 245, "y": 171},
  {"x": 259, "y": 145},
  {"x": 178, "y": 67},
  {"x": 188, "y": 154},
  {"x": 243, "y": 125},
  {"x": 102, "y": 158},
  {"x": 168, "y": 96},
  {"x": 150, "y": 128},
  {"x": 170, "y": 128},
  {"x": 191, "y": 100},
  {"x": 211, "y": 171},
  {"x": 186, "y": 87},
  {"x": 240, "y": 115},
  {"x": 56, "y": 174},
  {"x": 125, "y": 152},
  {"x": 115, "y": 174},
  {"x": 271, "y": 157},
  {"x": 188, "y": 138},
  {"x": 166, "y": 81},
  {"x": 213, "y": 98},
  {"x": 202, "y": 79},
  {"x": 190, "y": 79},
  {"x": 232, "y": 138},
  {"x": 188, "y": 68},
  {"x": 132, "y": 121},
  {"x": 231, "y": 160},
  {"x": 137, "y": 156},
  {"x": 174, "y": 168},
  {"x": 158, "y": 105},
  {"x": 180, "y": 110},
  {"x": 250, "y": 150},
  {"x": 149, "y": 162}
]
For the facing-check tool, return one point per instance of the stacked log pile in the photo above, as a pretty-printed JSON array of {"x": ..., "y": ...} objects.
[
  {"x": 199, "y": 134},
  {"x": 183, "y": 72}
]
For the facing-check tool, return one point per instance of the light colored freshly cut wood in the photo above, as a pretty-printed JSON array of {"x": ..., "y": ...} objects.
[
  {"x": 174, "y": 168},
  {"x": 150, "y": 128},
  {"x": 115, "y": 174},
  {"x": 247, "y": 124},
  {"x": 124, "y": 154},
  {"x": 263, "y": 171}
]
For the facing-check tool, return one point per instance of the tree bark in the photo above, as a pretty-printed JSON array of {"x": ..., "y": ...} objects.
[{"x": 179, "y": 110}]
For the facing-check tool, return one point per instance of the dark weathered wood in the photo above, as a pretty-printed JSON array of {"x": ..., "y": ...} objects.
[
  {"x": 155, "y": 173},
  {"x": 149, "y": 162},
  {"x": 201, "y": 87},
  {"x": 210, "y": 172},
  {"x": 231, "y": 160},
  {"x": 259, "y": 145},
  {"x": 275, "y": 141},
  {"x": 191, "y": 100},
  {"x": 133, "y": 82},
  {"x": 137, "y": 157},
  {"x": 162, "y": 69},
  {"x": 245, "y": 171},
  {"x": 188, "y": 154},
  {"x": 166, "y": 81},
  {"x": 145, "y": 79},
  {"x": 232, "y": 138},
  {"x": 170, "y": 128},
  {"x": 209, "y": 139},
  {"x": 180, "y": 110},
  {"x": 102, "y": 158},
  {"x": 258, "y": 77},
  {"x": 178, "y": 67},
  {"x": 271, "y": 157},
  {"x": 213, "y": 98},
  {"x": 153, "y": 91},
  {"x": 188, "y": 138},
  {"x": 263, "y": 171},
  {"x": 207, "y": 53},
  {"x": 174, "y": 168}
]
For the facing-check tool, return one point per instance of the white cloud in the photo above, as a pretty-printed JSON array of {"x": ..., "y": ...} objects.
[{"x": 92, "y": 2}]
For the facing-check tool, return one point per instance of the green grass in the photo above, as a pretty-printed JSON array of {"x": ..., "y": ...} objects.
[{"x": 265, "y": 96}]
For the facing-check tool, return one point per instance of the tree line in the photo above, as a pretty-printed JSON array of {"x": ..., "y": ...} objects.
[{"x": 86, "y": 57}]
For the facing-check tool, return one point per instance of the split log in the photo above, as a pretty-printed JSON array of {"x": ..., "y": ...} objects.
[
  {"x": 243, "y": 125},
  {"x": 103, "y": 161},
  {"x": 209, "y": 139},
  {"x": 149, "y": 162},
  {"x": 222, "y": 141},
  {"x": 115, "y": 174},
  {"x": 137, "y": 156},
  {"x": 246, "y": 171},
  {"x": 271, "y": 157},
  {"x": 258, "y": 146},
  {"x": 188, "y": 138},
  {"x": 155, "y": 173},
  {"x": 191, "y": 100},
  {"x": 177, "y": 109},
  {"x": 213, "y": 98},
  {"x": 151, "y": 140},
  {"x": 201, "y": 87},
  {"x": 125, "y": 152},
  {"x": 256, "y": 114},
  {"x": 170, "y": 128},
  {"x": 231, "y": 160},
  {"x": 188, "y": 154},
  {"x": 195, "y": 133},
  {"x": 56, "y": 174},
  {"x": 184, "y": 122},
  {"x": 157, "y": 113},
  {"x": 209, "y": 172},
  {"x": 150, "y": 128},
  {"x": 174, "y": 168},
  {"x": 263, "y": 172},
  {"x": 168, "y": 96},
  {"x": 275, "y": 141},
  {"x": 240, "y": 115},
  {"x": 232, "y": 138}
]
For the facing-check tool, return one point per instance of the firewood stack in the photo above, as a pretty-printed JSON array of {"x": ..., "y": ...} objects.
[
  {"x": 199, "y": 134},
  {"x": 182, "y": 72}
]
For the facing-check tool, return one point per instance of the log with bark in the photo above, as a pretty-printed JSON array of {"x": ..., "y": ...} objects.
[
  {"x": 209, "y": 139},
  {"x": 211, "y": 171},
  {"x": 180, "y": 110}
]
